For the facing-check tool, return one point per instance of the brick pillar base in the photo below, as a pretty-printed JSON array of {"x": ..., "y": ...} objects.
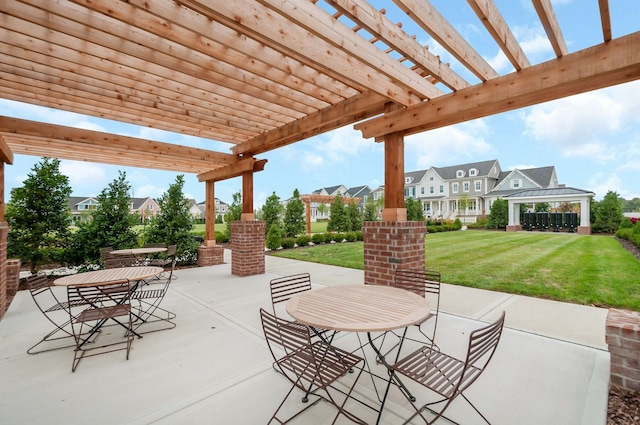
[
  {"x": 584, "y": 230},
  {"x": 210, "y": 255},
  {"x": 247, "y": 247},
  {"x": 391, "y": 244},
  {"x": 514, "y": 228},
  {"x": 623, "y": 338},
  {"x": 4, "y": 231},
  {"x": 13, "y": 279}
]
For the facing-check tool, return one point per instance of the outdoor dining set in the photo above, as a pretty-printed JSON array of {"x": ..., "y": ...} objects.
[
  {"x": 306, "y": 348},
  {"x": 123, "y": 295}
]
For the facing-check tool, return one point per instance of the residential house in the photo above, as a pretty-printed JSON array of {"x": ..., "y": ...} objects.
[
  {"x": 194, "y": 210},
  {"x": 361, "y": 192},
  {"x": 222, "y": 208},
  {"x": 80, "y": 207}
]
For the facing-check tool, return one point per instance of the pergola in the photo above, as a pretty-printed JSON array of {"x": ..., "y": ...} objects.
[{"x": 262, "y": 74}]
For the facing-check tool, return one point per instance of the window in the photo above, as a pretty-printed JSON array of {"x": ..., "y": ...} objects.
[
  {"x": 465, "y": 186},
  {"x": 430, "y": 189},
  {"x": 441, "y": 188},
  {"x": 478, "y": 186},
  {"x": 431, "y": 178},
  {"x": 422, "y": 190},
  {"x": 472, "y": 206},
  {"x": 473, "y": 172},
  {"x": 516, "y": 183},
  {"x": 150, "y": 207},
  {"x": 460, "y": 173},
  {"x": 406, "y": 192},
  {"x": 427, "y": 207},
  {"x": 454, "y": 188}
]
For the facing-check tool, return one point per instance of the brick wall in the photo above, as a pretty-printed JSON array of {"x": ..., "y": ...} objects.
[
  {"x": 391, "y": 244},
  {"x": 4, "y": 230},
  {"x": 247, "y": 247},
  {"x": 13, "y": 279},
  {"x": 210, "y": 255},
  {"x": 623, "y": 338}
]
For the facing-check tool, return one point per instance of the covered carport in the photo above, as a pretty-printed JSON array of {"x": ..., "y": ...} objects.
[{"x": 554, "y": 195}]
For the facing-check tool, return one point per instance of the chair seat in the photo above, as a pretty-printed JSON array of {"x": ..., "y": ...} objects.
[
  {"x": 332, "y": 363},
  {"x": 103, "y": 313},
  {"x": 436, "y": 370}
]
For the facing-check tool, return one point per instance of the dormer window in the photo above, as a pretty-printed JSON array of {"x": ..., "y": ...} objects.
[
  {"x": 473, "y": 172},
  {"x": 408, "y": 180},
  {"x": 460, "y": 173}
]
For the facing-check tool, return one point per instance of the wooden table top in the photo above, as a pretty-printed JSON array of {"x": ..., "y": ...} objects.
[
  {"x": 103, "y": 277},
  {"x": 358, "y": 308},
  {"x": 138, "y": 251}
]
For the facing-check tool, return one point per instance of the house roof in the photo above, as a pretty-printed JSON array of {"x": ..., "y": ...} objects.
[
  {"x": 253, "y": 76},
  {"x": 358, "y": 191},
  {"x": 483, "y": 167},
  {"x": 415, "y": 176},
  {"x": 556, "y": 191}
]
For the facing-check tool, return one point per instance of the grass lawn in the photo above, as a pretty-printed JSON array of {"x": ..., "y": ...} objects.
[{"x": 591, "y": 270}]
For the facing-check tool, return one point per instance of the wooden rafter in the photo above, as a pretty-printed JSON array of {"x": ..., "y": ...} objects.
[{"x": 551, "y": 26}]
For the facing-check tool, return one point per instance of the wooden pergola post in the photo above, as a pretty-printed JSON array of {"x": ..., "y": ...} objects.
[
  {"x": 247, "y": 196},
  {"x": 210, "y": 213},
  {"x": 394, "y": 209}
]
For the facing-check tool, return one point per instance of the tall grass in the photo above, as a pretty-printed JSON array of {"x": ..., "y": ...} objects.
[{"x": 583, "y": 269}]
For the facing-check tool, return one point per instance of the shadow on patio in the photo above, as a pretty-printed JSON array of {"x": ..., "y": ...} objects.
[{"x": 551, "y": 366}]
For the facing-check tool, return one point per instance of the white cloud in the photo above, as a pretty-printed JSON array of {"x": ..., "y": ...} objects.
[
  {"x": 343, "y": 144},
  {"x": 310, "y": 160},
  {"x": 87, "y": 177},
  {"x": 148, "y": 190},
  {"x": 446, "y": 146},
  {"x": 600, "y": 184}
]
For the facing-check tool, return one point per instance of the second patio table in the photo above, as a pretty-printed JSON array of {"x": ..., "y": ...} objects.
[
  {"x": 361, "y": 308},
  {"x": 107, "y": 276}
]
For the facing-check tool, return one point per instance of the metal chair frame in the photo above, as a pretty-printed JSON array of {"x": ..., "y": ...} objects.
[
  {"x": 105, "y": 302},
  {"x": 117, "y": 261},
  {"x": 149, "y": 301},
  {"x": 168, "y": 259},
  {"x": 50, "y": 305},
  {"x": 312, "y": 367},
  {"x": 446, "y": 375}
]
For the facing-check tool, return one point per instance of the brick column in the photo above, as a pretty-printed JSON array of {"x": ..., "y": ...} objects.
[
  {"x": 4, "y": 231},
  {"x": 13, "y": 279},
  {"x": 247, "y": 247},
  {"x": 514, "y": 228},
  {"x": 584, "y": 230},
  {"x": 210, "y": 255},
  {"x": 391, "y": 244},
  {"x": 623, "y": 338}
]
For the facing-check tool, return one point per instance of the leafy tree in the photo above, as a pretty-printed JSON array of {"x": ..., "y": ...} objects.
[
  {"x": 111, "y": 224},
  {"x": 355, "y": 216},
  {"x": 174, "y": 223},
  {"x": 463, "y": 203},
  {"x": 415, "y": 211},
  {"x": 294, "y": 217},
  {"x": 380, "y": 205},
  {"x": 233, "y": 213},
  {"x": 272, "y": 212},
  {"x": 274, "y": 237},
  {"x": 322, "y": 209},
  {"x": 370, "y": 210},
  {"x": 609, "y": 213},
  {"x": 38, "y": 215},
  {"x": 632, "y": 205},
  {"x": 543, "y": 207},
  {"x": 565, "y": 207},
  {"x": 339, "y": 220},
  {"x": 499, "y": 214}
]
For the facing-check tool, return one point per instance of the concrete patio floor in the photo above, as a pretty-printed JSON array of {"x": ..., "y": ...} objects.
[{"x": 551, "y": 367}]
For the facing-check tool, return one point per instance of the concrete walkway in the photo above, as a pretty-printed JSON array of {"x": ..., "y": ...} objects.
[{"x": 551, "y": 366}]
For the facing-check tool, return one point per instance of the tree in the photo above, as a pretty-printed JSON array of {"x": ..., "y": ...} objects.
[
  {"x": 463, "y": 203},
  {"x": 233, "y": 213},
  {"x": 609, "y": 213},
  {"x": 272, "y": 212},
  {"x": 565, "y": 207},
  {"x": 415, "y": 211},
  {"x": 322, "y": 209},
  {"x": 355, "y": 217},
  {"x": 111, "y": 224},
  {"x": 542, "y": 207},
  {"x": 499, "y": 214},
  {"x": 274, "y": 237},
  {"x": 174, "y": 223},
  {"x": 38, "y": 215},
  {"x": 294, "y": 217},
  {"x": 370, "y": 210},
  {"x": 339, "y": 220}
]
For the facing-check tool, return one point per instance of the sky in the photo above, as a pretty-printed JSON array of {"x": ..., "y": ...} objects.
[{"x": 592, "y": 139}]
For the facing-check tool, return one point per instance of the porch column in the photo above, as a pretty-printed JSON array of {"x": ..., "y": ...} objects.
[
  {"x": 585, "y": 217},
  {"x": 210, "y": 254},
  {"x": 394, "y": 241},
  {"x": 513, "y": 224},
  {"x": 247, "y": 236}
]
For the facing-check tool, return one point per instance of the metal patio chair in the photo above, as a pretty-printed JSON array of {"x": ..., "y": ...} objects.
[
  {"x": 117, "y": 261},
  {"x": 105, "y": 302},
  {"x": 149, "y": 300},
  {"x": 166, "y": 261},
  {"x": 312, "y": 367},
  {"x": 425, "y": 283},
  {"x": 446, "y": 375},
  {"x": 55, "y": 310}
]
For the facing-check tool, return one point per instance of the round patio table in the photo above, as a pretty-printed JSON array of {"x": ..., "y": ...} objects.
[{"x": 107, "y": 276}]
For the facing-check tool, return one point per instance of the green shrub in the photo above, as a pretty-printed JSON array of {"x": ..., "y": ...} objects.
[
  {"x": 338, "y": 237},
  {"x": 625, "y": 233},
  {"x": 317, "y": 238},
  {"x": 625, "y": 224},
  {"x": 221, "y": 237},
  {"x": 274, "y": 237},
  {"x": 457, "y": 225},
  {"x": 288, "y": 243},
  {"x": 329, "y": 237},
  {"x": 359, "y": 235},
  {"x": 351, "y": 236},
  {"x": 303, "y": 240}
]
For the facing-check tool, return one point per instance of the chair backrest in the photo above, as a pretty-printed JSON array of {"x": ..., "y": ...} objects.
[
  {"x": 285, "y": 287},
  {"x": 482, "y": 345},
  {"x": 286, "y": 337},
  {"x": 103, "y": 298},
  {"x": 38, "y": 283},
  {"x": 105, "y": 252},
  {"x": 118, "y": 261},
  {"x": 421, "y": 282},
  {"x": 155, "y": 245},
  {"x": 171, "y": 250}
]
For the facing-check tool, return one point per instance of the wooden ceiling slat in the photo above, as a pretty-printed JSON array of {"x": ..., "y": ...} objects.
[
  {"x": 375, "y": 22},
  {"x": 217, "y": 114},
  {"x": 276, "y": 29},
  {"x": 172, "y": 12},
  {"x": 425, "y": 15},
  {"x": 493, "y": 21},
  {"x": 145, "y": 60},
  {"x": 551, "y": 26},
  {"x": 599, "y": 66},
  {"x": 605, "y": 18}
]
